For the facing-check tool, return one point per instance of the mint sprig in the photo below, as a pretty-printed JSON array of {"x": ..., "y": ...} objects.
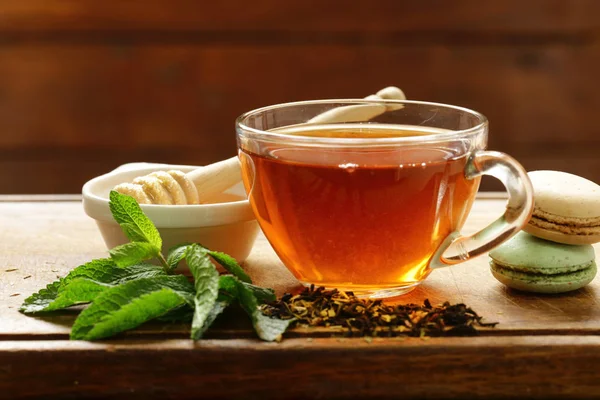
[{"x": 123, "y": 292}]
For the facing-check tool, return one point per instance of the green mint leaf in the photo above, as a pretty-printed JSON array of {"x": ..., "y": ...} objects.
[
  {"x": 228, "y": 286},
  {"x": 133, "y": 233},
  {"x": 263, "y": 295},
  {"x": 231, "y": 265},
  {"x": 130, "y": 304},
  {"x": 133, "y": 253},
  {"x": 76, "y": 291},
  {"x": 206, "y": 282},
  {"x": 185, "y": 313},
  {"x": 176, "y": 255},
  {"x": 101, "y": 271},
  {"x": 136, "y": 226},
  {"x": 216, "y": 310},
  {"x": 39, "y": 301},
  {"x": 266, "y": 328},
  {"x": 133, "y": 272}
]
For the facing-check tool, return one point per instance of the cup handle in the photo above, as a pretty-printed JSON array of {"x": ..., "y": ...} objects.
[{"x": 457, "y": 248}]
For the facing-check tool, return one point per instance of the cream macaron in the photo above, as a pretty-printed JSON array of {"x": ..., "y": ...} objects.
[{"x": 567, "y": 208}]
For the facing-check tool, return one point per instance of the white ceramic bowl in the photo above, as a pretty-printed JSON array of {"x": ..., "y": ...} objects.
[{"x": 228, "y": 226}]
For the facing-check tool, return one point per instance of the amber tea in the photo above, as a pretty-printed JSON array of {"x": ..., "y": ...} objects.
[
  {"x": 370, "y": 195},
  {"x": 354, "y": 218}
]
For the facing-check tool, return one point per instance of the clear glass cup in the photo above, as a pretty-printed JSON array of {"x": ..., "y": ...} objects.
[{"x": 370, "y": 195}]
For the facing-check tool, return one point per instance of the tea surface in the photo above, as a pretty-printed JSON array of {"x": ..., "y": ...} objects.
[{"x": 359, "y": 219}]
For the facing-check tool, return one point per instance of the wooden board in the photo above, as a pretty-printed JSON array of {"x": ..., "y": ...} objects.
[
  {"x": 86, "y": 86},
  {"x": 298, "y": 16},
  {"x": 543, "y": 347},
  {"x": 549, "y": 367},
  {"x": 180, "y": 104}
]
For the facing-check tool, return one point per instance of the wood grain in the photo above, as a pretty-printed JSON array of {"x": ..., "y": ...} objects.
[
  {"x": 144, "y": 110},
  {"x": 177, "y": 103},
  {"x": 535, "y": 368},
  {"x": 301, "y": 16},
  {"x": 44, "y": 240},
  {"x": 86, "y": 86}
]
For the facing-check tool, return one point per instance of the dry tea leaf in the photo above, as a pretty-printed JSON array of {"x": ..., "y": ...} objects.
[{"x": 368, "y": 318}]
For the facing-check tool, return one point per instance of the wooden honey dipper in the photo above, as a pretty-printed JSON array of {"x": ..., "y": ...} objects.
[{"x": 177, "y": 188}]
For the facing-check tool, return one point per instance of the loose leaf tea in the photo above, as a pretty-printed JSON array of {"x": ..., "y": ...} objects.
[{"x": 362, "y": 317}]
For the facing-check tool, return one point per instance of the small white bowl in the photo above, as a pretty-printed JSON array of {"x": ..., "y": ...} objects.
[{"x": 228, "y": 226}]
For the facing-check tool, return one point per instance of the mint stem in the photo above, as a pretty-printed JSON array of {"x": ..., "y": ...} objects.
[{"x": 164, "y": 263}]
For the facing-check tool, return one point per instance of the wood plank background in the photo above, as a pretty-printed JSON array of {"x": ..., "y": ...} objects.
[{"x": 86, "y": 86}]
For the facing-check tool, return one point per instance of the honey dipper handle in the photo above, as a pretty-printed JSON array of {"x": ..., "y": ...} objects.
[
  {"x": 215, "y": 178},
  {"x": 363, "y": 112}
]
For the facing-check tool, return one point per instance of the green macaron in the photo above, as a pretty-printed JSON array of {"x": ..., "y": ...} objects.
[{"x": 531, "y": 264}]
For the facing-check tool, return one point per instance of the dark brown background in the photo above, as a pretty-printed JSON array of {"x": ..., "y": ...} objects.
[{"x": 88, "y": 85}]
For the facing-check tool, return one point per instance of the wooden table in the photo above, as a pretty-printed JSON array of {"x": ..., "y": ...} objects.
[{"x": 543, "y": 347}]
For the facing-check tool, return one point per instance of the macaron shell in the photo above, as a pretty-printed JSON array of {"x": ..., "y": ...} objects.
[
  {"x": 527, "y": 253},
  {"x": 565, "y": 194},
  {"x": 538, "y": 283},
  {"x": 559, "y": 237},
  {"x": 572, "y": 223}
]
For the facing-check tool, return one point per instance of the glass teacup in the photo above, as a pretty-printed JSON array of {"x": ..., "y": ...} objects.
[{"x": 370, "y": 195}]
